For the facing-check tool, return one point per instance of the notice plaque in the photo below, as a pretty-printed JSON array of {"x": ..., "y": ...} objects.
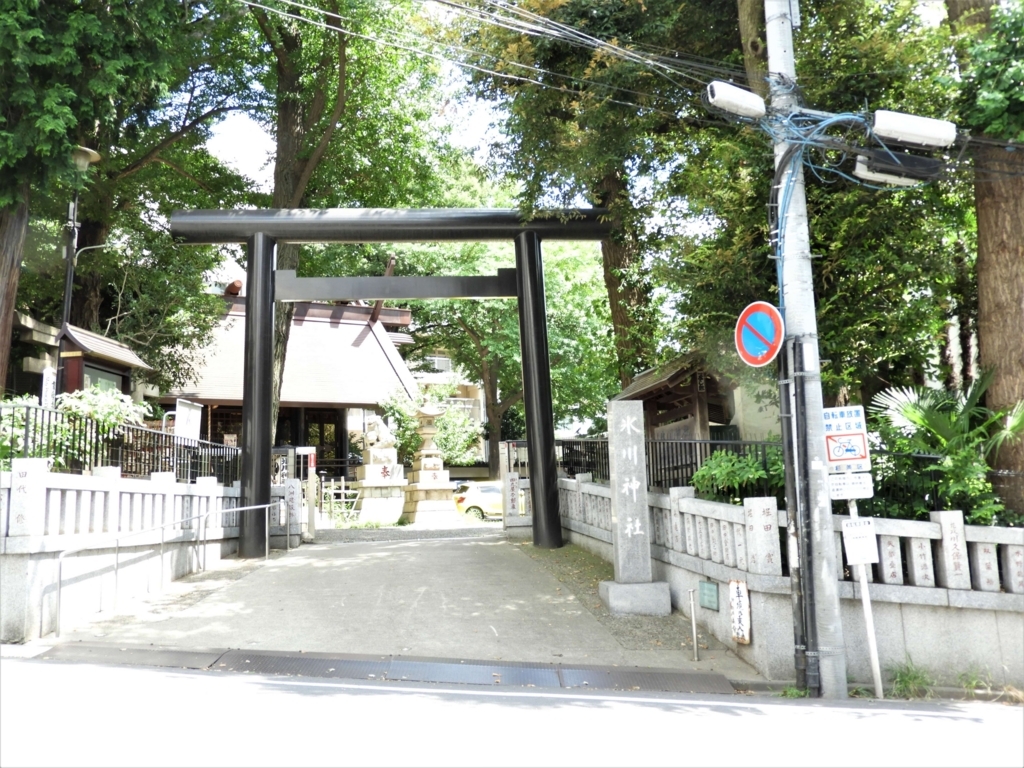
[
  {"x": 708, "y": 595},
  {"x": 859, "y": 540},
  {"x": 739, "y": 609},
  {"x": 850, "y": 485}
]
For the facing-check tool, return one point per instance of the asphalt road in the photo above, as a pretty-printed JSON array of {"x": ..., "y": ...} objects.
[{"x": 55, "y": 714}]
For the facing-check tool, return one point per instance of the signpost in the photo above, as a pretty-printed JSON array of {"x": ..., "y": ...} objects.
[
  {"x": 759, "y": 334},
  {"x": 846, "y": 444}
]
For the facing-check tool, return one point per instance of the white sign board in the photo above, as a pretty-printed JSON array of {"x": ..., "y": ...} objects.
[
  {"x": 851, "y": 485},
  {"x": 49, "y": 398},
  {"x": 860, "y": 542},
  {"x": 846, "y": 439},
  {"x": 188, "y": 418},
  {"x": 512, "y": 495},
  {"x": 739, "y": 612}
]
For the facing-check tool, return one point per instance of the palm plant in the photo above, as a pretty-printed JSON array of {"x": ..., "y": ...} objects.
[{"x": 961, "y": 430}]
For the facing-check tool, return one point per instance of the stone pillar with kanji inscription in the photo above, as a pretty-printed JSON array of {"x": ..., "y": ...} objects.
[
  {"x": 428, "y": 497},
  {"x": 634, "y": 591},
  {"x": 951, "y": 568},
  {"x": 380, "y": 480}
]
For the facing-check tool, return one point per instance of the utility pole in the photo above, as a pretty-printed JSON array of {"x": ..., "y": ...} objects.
[{"x": 824, "y": 627}]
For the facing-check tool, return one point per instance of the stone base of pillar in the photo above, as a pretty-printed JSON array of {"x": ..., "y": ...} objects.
[
  {"x": 380, "y": 504},
  {"x": 650, "y": 598},
  {"x": 425, "y": 502}
]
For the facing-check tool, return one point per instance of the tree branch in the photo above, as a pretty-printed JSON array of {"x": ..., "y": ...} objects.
[
  {"x": 271, "y": 35},
  {"x": 509, "y": 401},
  {"x": 152, "y": 155},
  {"x": 325, "y": 140},
  {"x": 181, "y": 171}
]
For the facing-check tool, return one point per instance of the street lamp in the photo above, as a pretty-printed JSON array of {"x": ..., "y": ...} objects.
[{"x": 82, "y": 157}]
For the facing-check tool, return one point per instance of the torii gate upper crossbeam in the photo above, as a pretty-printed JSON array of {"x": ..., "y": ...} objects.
[{"x": 385, "y": 225}]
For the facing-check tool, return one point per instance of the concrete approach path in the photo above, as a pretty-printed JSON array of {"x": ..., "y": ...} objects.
[{"x": 460, "y": 593}]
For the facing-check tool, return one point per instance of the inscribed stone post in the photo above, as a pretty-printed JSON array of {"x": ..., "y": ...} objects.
[
  {"x": 676, "y": 523},
  {"x": 920, "y": 570},
  {"x": 28, "y": 497},
  {"x": 739, "y": 541},
  {"x": 763, "y": 550},
  {"x": 1013, "y": 568},
  {"x": 631, "y": 525},
  {"x": 951, "y": 569},
  {"x": 890, "y": 560},
  {"x": 715, "y": 540},
  {"x": 690, "y": 529},
  {"x": 985, "y": 566},
  {"x": 728, "y": 550},
  {"x": 581, "y": 478},
  {"x": 703, "y": 541}
]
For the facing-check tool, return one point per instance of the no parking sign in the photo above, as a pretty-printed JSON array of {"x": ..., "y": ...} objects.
[{"x": 759, "y": 334}]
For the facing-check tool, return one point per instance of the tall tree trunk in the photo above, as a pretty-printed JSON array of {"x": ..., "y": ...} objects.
[
  {"x": 87, "y": 297},
  {"x": 967, "y": 317},
  {"x": 755, "y": 53},
  {"x": 999, "y": 203},
  {"x": 628, "y": 297},
  {"x": 493, "y": 438},
  {"x": 286, "y": 176},
  {"x": 297, "y": 157},
  {"x": 999, "y": 208},
  {"x": 968, "y": 13},
  {"x": 13, "y": 225}
]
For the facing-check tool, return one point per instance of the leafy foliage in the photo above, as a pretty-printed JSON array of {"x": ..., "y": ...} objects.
[
  {"x": 457, "y": 436},
  {"x": 67, "y": 66},
  {"x": 964, "y": 433},
  {"x": 88, "y": 415},
  {"x": 883, "y": 276},
  {"x": 107, "y": 407},
  {"x": 992, "y": 92},
  {"x": 457, "y": 432},
  {"x": 730, "y": 476}
]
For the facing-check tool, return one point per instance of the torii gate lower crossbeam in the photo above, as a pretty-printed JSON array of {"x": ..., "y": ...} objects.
[{"x": 260, "y": 230}]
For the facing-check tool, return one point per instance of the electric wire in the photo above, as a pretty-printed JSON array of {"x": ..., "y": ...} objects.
[
  {"x": 792, "y": 127},
  {"x": 477, "y": 68}
]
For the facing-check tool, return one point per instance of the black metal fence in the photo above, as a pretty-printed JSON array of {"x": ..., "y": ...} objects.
[
  {"x": 77, "y": 444},
  {"x": 906, "y": 486},
  {"x": 670, "y": 463}
]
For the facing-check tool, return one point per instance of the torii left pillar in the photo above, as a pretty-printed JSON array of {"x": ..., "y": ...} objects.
[{"x": 257, "y": 432}]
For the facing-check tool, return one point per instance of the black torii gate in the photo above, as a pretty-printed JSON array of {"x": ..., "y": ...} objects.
[{"x": 260, "y": 230}]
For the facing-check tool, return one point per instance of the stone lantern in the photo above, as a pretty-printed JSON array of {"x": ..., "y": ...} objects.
[{"x": 429, "y": 493}]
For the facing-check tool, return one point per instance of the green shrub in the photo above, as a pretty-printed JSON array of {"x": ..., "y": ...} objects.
[{"x": 729, "y": 476}]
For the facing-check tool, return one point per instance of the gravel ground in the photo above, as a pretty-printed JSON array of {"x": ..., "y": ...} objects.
[{"x": 581, "y": 571}]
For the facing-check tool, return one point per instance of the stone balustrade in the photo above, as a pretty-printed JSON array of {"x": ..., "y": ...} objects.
[
  {"x": 43, "y": 514},
  {"x": 929, "y": 572}
]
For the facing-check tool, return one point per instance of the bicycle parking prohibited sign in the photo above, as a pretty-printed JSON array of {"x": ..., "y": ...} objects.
[{"x": 846, "y": 439}]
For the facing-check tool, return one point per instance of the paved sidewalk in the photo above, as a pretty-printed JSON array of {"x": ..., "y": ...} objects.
[{"x": 467, "y": 593}]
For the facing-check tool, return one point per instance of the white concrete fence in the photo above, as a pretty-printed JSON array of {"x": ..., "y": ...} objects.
[
  {"x": 959, "y": 606},
  {"x": 43, "y": 514}
]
